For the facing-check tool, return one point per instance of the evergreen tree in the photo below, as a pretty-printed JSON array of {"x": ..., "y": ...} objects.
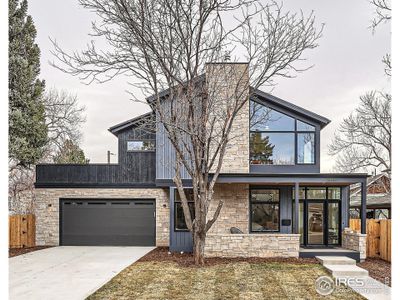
[
  {"x": 27, "y": 129},
  {"x": 261, "y": 149},
  {"x": 70, "y": 153}
]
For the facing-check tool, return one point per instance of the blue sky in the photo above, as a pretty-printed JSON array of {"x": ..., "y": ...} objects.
[{"x": 346, "y": 64}]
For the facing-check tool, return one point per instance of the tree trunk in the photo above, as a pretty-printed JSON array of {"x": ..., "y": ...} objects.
[{"x": 199, "y": 239}]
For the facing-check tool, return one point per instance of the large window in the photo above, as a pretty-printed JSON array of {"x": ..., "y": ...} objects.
[
  {"x": 278, "y": 139},
  {"x": 141, "y": 145},
  {"x": 179, "y": 220},
  {"x": 264, "y": 210}
]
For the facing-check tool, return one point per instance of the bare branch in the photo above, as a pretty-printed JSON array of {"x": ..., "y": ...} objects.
[{"x": 363, "y": 140}]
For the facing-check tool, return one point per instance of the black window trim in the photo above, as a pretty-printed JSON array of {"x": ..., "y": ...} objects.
[
  {"x": 140, "y": 140},
  {"x": 175, "y": 205},
  {"x": 325, "y": 202},
  {"x": 251, "y": 231},
  {"x": 295, "y": 132}
]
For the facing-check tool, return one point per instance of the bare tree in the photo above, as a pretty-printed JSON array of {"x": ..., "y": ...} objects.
[
  {"x": 175, "y": 46},
  {"x": 64, "y": 119},
  {"x": 363, "y": 140},
  {"x": 21, "y": 190},
  {"x": 383, "y": 13}
]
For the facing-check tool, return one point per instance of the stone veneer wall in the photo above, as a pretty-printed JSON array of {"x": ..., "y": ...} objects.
[
  {"x": 47, "y": 209},
  {"x": 356, "y": 241},
  {"x": 223, "y": 79},
  {"x": 252, "y": 245},
  {"x": 235, "y": 212}
]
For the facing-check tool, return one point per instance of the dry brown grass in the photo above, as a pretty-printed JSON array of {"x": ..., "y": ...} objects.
[{"x": 236, "y": 280}]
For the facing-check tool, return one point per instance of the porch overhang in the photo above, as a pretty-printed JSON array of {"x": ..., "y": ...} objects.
[
  {"x": 292, "y": 178},
  {"x": 303, "y": 179}
]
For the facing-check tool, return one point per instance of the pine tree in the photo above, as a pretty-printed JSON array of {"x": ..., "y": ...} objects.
[
  {"x": 27, "y": 129},
  {"x": 70, "y": 153},
  {"x": 261, "y": 149}
]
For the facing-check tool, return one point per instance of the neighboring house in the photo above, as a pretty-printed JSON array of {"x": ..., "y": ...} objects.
[
  {"x": 271, "y": 185},
  {"x": 378, "y": 198}
]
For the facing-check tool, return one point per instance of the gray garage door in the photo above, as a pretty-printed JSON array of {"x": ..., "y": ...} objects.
[{"x": 107, "y": 222}]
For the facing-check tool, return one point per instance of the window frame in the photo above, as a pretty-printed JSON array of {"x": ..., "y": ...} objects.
[
  {"x": 251, "y": 231},
  {"x": 175, "y": 207},
  {"x": 295, "y": 132},
  {"x": 140, "y": 140},
  {"x": 325, "y": 202}
]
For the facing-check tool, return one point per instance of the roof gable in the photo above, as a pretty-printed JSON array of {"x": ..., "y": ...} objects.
[
  {"x": 129, "y": 123},
  {"x": 263, "y": 96}
]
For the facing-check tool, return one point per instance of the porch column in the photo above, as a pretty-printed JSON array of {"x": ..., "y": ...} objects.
[
  {"x": 296, "y": 208},
  {"x": 364, "y": 206}
]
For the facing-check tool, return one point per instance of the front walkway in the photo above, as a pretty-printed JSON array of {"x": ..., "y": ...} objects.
[
  {"x": 345, "y": 270},
  {"x": 67, "y": 272}
]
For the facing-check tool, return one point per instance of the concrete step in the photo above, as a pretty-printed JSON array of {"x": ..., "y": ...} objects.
[
  {"x": 335, "y": 260},
  {"x": 346, "y": 271}
]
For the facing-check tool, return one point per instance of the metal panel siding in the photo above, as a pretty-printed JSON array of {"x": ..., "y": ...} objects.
[
  {"x": 285, "y": 208},
  {"x": 165, "y": 154},
  {"x": 178, "y": 240},
  {"x": 116, "y": 222}
]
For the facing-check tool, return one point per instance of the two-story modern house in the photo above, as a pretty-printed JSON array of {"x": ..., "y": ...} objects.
[{"x": 271, "y": 184}]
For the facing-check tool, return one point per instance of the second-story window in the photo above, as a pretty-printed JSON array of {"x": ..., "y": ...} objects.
[
  {"x": 141, "y": 145},
  {"x": 279, "y": 139}
]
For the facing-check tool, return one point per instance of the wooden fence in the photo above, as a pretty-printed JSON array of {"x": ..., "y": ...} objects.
[
  {"x": 21, "y": 231},
  {"x": 379, "y": 237}
]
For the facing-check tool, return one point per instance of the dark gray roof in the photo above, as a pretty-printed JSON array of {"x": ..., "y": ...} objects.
[
  {"x": 310, "y": 175},
  {"x": 383, "y": 200},
  {"x": 275, "y": 100},
  {"x": 165, "y": 92},
  {"x": 131, "y": 122},
  {"x": 292, "y": 107},
  {"x": 356, "y": 188}
]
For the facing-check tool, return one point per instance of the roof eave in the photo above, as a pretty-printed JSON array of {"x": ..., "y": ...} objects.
[
  {"x": 292, "y": 107},
  {"x": 123, "y": 125}
]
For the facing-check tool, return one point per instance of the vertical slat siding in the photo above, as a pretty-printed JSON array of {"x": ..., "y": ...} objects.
[
  {"x": 21, "y": 231},
  {"x": 166, "y": 156},
  {"x": 379, "y": 241},
  {"x": 139, "y": 168},
  {"x": 286, "y": 208}
]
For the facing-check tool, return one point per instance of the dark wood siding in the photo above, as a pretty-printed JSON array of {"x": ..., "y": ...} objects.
[{"x": 133, "y": 168}]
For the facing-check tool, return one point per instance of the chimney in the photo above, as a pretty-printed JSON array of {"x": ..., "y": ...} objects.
[{"x": 226, "y": 83}]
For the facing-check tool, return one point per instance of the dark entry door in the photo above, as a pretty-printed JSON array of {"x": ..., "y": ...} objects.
[
  {"x": 315, "y": 223},
  {"x": 107, "y": 222},
  {"x": 322, "y": 222}
]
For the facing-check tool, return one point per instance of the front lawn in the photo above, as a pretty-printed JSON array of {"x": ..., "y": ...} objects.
[{"x": 220, "y": 279}]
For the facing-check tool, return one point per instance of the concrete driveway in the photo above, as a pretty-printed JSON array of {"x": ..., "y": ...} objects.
[{"x": 67, "y": 272}]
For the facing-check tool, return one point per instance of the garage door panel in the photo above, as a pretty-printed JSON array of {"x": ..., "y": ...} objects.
[{"x": 108, "y": 222}]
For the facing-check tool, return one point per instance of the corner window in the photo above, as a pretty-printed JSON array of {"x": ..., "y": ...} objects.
[
  {"x": 305, "y": 148},
  {"x": 179, "y": 219},
  {"x": 279, "y": 139},
  {"x": 143, "y": 145},
  {"x": 264, "y": 210}
]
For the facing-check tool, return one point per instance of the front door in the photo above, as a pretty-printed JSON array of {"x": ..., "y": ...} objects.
[
  {"x": 321, "y": 223},
  {"x": 315, "y": 223}
]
